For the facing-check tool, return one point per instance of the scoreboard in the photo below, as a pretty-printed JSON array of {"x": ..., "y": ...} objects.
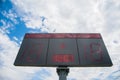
[{"x": 63, "y": 49}]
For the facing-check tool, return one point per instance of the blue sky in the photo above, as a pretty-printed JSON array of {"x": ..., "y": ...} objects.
[{"x": 18, "y": 17}]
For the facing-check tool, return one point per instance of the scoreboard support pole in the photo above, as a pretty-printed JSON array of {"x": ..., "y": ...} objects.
[{"x": 62, "y": 73}]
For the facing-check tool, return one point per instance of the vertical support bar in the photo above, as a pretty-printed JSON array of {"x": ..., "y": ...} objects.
[{"x": 62, "y": 73}]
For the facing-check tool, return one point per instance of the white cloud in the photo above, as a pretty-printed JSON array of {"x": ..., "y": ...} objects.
[
  {"x": 64, "y": 16},
  {"x": 5, "y": 26},
  {"x": 8, "y": 24},
  {"x": 8, "y": 52},
  {"x": 15, "y": 38},
  {"x": 10, "y": 15},
  {"x": 70, "y": 16}
]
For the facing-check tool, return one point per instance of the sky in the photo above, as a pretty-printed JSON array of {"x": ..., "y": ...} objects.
[{"x": 18, "y": 17}]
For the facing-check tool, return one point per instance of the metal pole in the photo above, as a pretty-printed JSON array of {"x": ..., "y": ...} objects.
[{"x": 62, "y": 72}]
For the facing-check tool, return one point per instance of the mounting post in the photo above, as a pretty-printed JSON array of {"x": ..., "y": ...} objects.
[{"x": 62, "y": 73}]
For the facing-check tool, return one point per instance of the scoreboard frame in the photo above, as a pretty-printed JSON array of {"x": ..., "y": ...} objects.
[{"x": 63, "y": 49}]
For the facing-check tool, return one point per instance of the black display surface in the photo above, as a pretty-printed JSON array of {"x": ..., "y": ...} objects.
[{"x": 63, "y": 49}]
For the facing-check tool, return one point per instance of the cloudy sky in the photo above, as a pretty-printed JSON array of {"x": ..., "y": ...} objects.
[{"x": 18, "y": 17}]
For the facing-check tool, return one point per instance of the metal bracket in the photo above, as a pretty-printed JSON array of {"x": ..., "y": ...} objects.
[{"x": 62, "y": 72}]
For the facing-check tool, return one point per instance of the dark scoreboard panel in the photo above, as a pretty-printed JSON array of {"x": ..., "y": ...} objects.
[
  {"x": 32, "y": 52},
  {"x": 63, "y": 49},
  {"x": 62, "y": 52}
]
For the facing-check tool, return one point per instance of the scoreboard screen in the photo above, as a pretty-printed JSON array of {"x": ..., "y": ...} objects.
[{"x": 63, "y": 49}]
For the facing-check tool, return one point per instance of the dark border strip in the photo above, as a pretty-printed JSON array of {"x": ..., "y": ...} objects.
[{"x": 64, "y": 35}]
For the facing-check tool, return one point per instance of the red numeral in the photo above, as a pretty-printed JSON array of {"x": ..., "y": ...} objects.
[
  {"x": 95, "y": 53},
  {"x": 62, "y": 45},
  {"x": 32, "y": 53},
  {"x": 95, "y": 50},
  {"x": 63, "y": 58}
]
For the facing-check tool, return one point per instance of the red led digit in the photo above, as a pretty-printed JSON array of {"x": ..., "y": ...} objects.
[
  {"x": 95, "y": 53},
  {"x": 63, "y": 58},
  {"x": 57, "y": 58},
  {"x": 29, "y": 59},
  {"x": 23, "y": 54},
  {"x": 34, "y": 53},
  {"x": 62, "y": 45},
  {"x": 85, "y": 53},
  {"x": 68, "y": 58},
  {"x": 95, "y": 49}
]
